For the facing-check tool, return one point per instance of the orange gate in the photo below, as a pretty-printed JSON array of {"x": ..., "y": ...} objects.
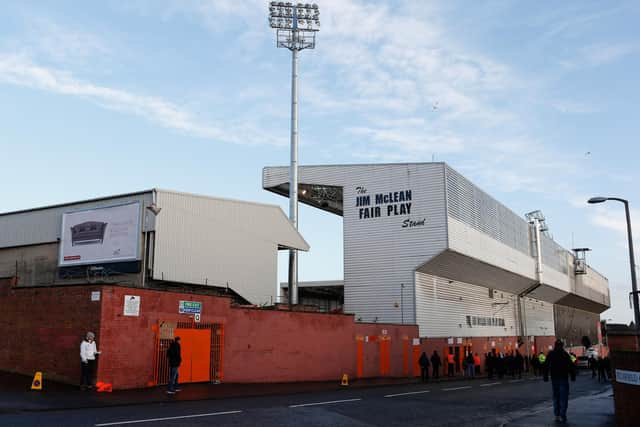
[{"x": 202, "y": 348}]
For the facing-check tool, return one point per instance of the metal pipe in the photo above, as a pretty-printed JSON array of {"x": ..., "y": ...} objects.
[
  {"x": 632, "y": 263},
  {"x": 293, "y": 173}
]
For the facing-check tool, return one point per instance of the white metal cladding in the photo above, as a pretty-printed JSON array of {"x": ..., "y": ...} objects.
[
  {"x": 209, "y": 241},
  {"x": 472, "y": 206},
  {"x": 43, "y": 225},
  {"x": 379, "y": 255},
  {"x": 484, "y": 241},
  {"x": 538, "y": 317},
  {"x": 445, "y": 305}
]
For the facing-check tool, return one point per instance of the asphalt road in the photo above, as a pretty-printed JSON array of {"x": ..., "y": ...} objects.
[{"x": 460, "y": 403}]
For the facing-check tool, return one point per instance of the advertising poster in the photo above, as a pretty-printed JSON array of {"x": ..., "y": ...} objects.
[{"x": 103, "y": 235}]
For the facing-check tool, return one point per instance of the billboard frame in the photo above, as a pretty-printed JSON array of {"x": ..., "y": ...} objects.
[{"x": 136, "y": 258}]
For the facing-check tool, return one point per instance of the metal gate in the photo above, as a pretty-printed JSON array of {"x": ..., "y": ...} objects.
[{"x": 165, "y": 333}]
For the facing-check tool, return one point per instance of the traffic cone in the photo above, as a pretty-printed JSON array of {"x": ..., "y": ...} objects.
[
  {"x": 36, "y": 384},
  {"x": 345, "y": 380}
]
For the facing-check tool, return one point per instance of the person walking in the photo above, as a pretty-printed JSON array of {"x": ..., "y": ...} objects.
[
  {"x": 88, "y": 352},
  {"x": 518, "y": 361},
  {"x": 470, "y": 368},
  {"x": 450, "y": 363},
  {"x": 558, "y": 366},
  {"x": 175, "y": 358},
  {"x": 593, "y": 365},
  {"x": 424, "y": 367},
  {"x": 476, "y": 363},
  {"x": 489, "y": 363},
  {"x": 602, "y": 371},
  {"x": 435, "y": 363}
]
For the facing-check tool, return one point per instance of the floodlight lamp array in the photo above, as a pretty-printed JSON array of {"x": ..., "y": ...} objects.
[{"x": 289, "y": 16}]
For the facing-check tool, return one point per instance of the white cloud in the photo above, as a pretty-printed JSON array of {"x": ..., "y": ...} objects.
[
  {"x": 573, "y": 107},
  {"x": 19, "y": 70},
  {"x": 602, "y": 53}
]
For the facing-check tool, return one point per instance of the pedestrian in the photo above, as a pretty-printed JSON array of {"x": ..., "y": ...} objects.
[
  {"x": 602, "y": 371},
  {"x": 424, "y": 367},
  {"x": 476, "y": 363},
  {"x": 510, "y": 364},
  {"x": 518, "y": 361},
  {"x": 88, "y": 352},
  {"x": 450, "y": 362},
  {"x": 173, "y": 354},
  {"x": 488, "y": 362},
  {"x": 593, "y": 365},
  {"x": 470, "y": 367},
  {"x": 559, "y": 367},
  {"x": 534, "y": 364},
  {"x": 435, "y": 363},
  {"x": 500, "y": 368}
]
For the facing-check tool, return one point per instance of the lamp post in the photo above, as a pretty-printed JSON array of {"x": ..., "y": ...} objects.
[
  {"x": 296, "y": 26},
  {"x": 634, "y": 285}
]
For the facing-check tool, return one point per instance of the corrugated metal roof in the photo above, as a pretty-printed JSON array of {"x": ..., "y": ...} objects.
[{"x": 60, "y": 205}]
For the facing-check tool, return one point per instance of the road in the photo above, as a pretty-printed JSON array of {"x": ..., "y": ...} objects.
[{"x": 461, "y": 403}]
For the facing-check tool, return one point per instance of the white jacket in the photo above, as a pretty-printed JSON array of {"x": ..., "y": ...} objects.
[{"x": 88, "y": 351}]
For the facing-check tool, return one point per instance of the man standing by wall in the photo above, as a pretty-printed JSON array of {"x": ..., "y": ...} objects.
[
  {"x": 88, "y": 352},
  {"x": 173, "y": 354},
  {"x": 558, "y": 365}
]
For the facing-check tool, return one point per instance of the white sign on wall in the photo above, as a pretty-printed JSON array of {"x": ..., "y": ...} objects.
[
  {"x": 131, "y": 305},
  {"x": 102, "y": 235},
  {"x": 95, "y": 296},
  {"x": 628, "y": 377}
]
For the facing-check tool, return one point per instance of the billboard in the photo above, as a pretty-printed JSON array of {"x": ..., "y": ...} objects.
[{"x": 101, "y": 235}]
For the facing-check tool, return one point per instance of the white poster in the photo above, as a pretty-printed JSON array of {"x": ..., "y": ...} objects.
[
  {"x": 131, "y": 305},
  {"x": 102, "y": 235}
]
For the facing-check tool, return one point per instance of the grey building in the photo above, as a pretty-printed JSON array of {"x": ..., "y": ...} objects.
[{"x": 154, "y": 238}]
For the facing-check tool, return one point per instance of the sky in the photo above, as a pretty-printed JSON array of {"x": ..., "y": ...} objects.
[{"x": 535, "y": 102}]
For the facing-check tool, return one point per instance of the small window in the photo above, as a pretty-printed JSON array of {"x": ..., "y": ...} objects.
[
  {"x": 490, "y": 293},
  {"x": 468, "y": 320}
]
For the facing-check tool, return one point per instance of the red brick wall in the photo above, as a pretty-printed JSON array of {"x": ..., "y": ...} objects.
[
  {"x": 260, "y": 345},
  {"x": 43, "y": 328},
  {"x": 128, "y": 342}
]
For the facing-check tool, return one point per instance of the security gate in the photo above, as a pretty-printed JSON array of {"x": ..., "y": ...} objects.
[{"x": 202, "y": 347}]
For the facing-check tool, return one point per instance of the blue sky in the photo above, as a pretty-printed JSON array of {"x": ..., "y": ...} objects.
[{"x": 537, "y": 103}]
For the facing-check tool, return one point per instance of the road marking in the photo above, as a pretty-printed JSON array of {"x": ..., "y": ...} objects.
[
  {"x": 489, "y": 385},
  {"x": 148, "y": 420},
  {"x": 405, "y": 394},
  {"x": 456, "y": 388},
  {"x": 323, "y": 403},
  {"x": 515, "y": 381}
]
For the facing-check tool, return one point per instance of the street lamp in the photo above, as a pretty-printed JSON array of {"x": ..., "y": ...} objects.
[
  {"x": 634, "y": 285},
  {"x": 296, "y": 26}
]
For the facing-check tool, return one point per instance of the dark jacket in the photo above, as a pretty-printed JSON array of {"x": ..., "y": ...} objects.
[
  {"x": 558, "y": 365},
  {"x": 435, "y": 361},
  {"x": 173, "y": 354},
  {"x": 424, "y": 361}
]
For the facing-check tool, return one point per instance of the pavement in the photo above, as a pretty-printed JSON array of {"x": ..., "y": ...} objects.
[
  {"x": 593, "y": 409},
  {"x": 16, "y": 396}
]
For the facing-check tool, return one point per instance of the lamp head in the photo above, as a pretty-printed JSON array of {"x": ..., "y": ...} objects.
[{"x": 597, "y": 200}]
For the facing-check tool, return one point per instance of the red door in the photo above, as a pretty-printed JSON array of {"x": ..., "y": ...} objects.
[{"x": 196, "y": 355}]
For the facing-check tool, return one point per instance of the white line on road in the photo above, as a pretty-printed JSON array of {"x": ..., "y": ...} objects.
[
  {"x": 489, "y": 385},
  {"x": 456, "y": 388},
  {"x": 148, "y": 420},
  {"x": 323, "y": 403},
  {"x": 515, "y": 381},
  {"x": 405, "y": 394}
]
